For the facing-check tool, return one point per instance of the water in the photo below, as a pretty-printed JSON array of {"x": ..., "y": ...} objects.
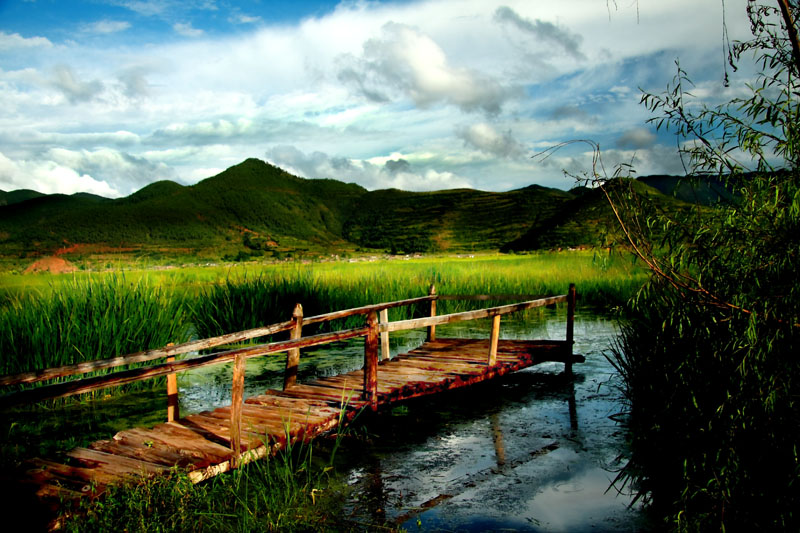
[{"x": 534, "y": 451}]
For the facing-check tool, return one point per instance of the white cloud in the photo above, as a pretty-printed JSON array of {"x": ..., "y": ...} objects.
[
  {"x": 636, "y": 138},
  {"x": 74, "y": 89},
  {"x": 14, "y": 41},
  {"x": 49, "y": 177},
  {"x": 186, "y": 29},
  {"x": 485, "y": 138},
  {"x": 408, "y": 62},
  {"x": 394, "y": 173},
  {"x": 542, "y": 31},
  {"x": 106, "y": 26}
]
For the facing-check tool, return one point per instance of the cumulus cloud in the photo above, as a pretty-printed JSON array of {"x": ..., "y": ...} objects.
[
  {"x": 542, "y": 31},
  {"x": 636, "y": 139},
  {"x": 106, "y": 26},
  {"x": 486, "y": 139},
  {"x": 410, "y": 63},
  {"x": 393, "y": 173},
  {"x": 49, "y": 177},
  {"x": 74, "y": 89},
  {"x": 123, "y": 171}
]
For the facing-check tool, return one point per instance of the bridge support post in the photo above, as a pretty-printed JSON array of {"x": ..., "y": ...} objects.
[
  {"x": 571, "y": 297},
  {"x": 371, "y": 361},
  {"x": 293, "y": 355},
  {"x": 173, "y": 409},
  {"x": 432, "y": 328},
  {"x": 384, "y": 319},
  {"x": 493, "y": 340},
  {"x": 237, "y": 398}
]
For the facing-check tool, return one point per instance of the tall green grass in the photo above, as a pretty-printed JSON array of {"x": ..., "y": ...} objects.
[
  {"x": 268, "y": 295},
  {"x": 87, "y": 318}
]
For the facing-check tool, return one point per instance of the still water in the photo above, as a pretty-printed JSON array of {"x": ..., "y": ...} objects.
[{"x": 533, "y": 452}]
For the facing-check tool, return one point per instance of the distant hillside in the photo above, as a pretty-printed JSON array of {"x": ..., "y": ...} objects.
[
  {"x": 254, "y": 208},
  {"x": 451, "y": 220},
  {"x": 585, "y": 221},
  {"x": 703, "y": 191},
  {"x": 244, "y": 207},
  {"x": 20, "y": 195}
]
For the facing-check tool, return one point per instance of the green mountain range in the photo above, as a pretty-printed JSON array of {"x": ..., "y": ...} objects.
[{"x": 254, "y": 208}]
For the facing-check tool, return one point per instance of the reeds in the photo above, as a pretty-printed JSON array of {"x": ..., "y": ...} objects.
[
  {"x": 268, "y": 294},
  {"x": 85, "y": 319}
]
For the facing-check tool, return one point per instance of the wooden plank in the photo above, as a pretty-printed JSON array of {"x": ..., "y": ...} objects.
[
  {"x": 115, "y": 464},
  {"x": 178, "y": 436},
  {"x": 150, "y": 454},
  {"x": 220, "y": 429}
]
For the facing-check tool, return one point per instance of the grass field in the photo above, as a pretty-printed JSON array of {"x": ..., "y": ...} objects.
[{"x": 48, "y": 320}]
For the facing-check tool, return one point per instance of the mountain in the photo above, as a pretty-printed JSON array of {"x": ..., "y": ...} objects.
[
  {"x": 20, "y": 195},
  {"x": 254, "y": 208},
  {"x": 587, "y": 219},
  {"x": 703, "y": 191}
]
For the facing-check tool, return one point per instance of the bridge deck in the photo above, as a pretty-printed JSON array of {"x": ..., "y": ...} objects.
[{"x": 200, "y": 443}]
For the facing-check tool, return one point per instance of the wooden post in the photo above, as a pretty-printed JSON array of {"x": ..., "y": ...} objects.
[
  {"x": 293, "y": 355},
  {"x": 237, "y": 398},
  {"x": 495, "y": 336},
  {"x": 371, "y": 361},
  {"x": 173, "y": 410},
  {"x": 571, "y": 296},
  {"x": 384, "y": 319},
  {"x": 432, "y": 329}
]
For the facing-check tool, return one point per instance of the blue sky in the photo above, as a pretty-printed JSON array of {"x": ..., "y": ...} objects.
[{"x": 106, "y": 96}]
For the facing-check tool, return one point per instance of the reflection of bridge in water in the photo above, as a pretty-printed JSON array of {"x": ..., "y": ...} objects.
[{"x": 211, "y": 442}]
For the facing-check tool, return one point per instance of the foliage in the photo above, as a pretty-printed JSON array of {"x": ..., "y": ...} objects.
[
  {"x": 85, "y": 319},
  {"x": 709, "y": 358}
]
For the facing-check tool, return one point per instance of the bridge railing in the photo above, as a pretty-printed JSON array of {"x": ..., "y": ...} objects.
[{"x": 376, "y": 332}]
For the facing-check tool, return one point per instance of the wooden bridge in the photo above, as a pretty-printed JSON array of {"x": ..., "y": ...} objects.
[{"x": 209, "y": 443}]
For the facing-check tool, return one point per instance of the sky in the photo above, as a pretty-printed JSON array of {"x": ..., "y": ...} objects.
[{"x": 107, "y": 96}]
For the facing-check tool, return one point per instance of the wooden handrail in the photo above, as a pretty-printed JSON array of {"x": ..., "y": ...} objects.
[
  {"x": 80, "y": 386},
  {"x": 415, "y": 323},
  {"x": 142, "y": 357},
  {"x": 84, "y": 385},
  {"x": 191, "y": 346}
]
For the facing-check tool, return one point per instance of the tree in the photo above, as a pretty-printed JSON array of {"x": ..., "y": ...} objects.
[{"x": 709, "y": 362}]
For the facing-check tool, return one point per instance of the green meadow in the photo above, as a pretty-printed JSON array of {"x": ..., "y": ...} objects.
[{"x": 50, "y": 320}]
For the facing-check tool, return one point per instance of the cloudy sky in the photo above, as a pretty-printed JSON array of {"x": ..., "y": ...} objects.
[{"x": 106, "y": 96}]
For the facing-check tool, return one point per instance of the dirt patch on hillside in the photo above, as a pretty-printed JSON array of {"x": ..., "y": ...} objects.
[{"x": 54, "y": 265}]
